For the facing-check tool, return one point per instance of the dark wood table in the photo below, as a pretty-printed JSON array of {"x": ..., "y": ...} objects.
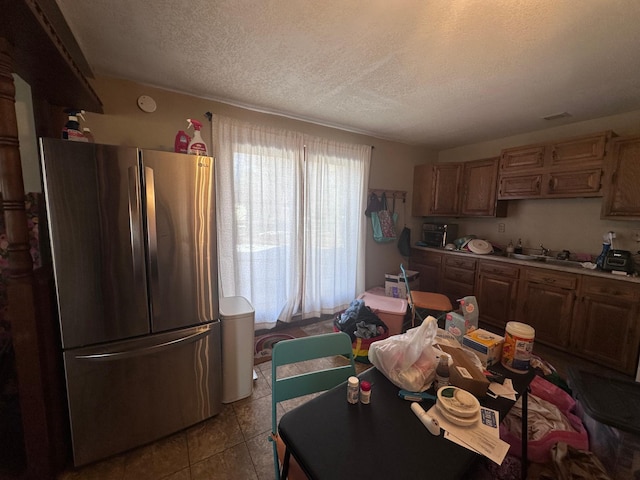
[{"x": 333, "y": 440}]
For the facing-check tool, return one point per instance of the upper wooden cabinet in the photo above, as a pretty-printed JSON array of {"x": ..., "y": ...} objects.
[
  {"x": 457, "y": 189},
  {"x": 480, "y": 189},
  {"x": 561, "y": 169},
  {"x": 622, "y": 178}
]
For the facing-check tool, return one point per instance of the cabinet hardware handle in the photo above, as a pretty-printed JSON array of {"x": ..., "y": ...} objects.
[{"x": 549, "y": 280}]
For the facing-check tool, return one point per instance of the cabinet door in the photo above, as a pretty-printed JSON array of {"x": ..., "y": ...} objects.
[
  {"x": 622, "y": 168},
  {"x": 428, "y": 264},
  {"x": 579, "y": 152},
  {"x": 520, "y": 186},
  {"x": 421, "y": 190},
  {"x": 480, "y": 178},
  {"x": 445, "y": 189},
  {"x": 458, "y": 277},
  {"x": 606, "y": 326},
  {"x": 496, "y": 290},
  {"x": 517, "y": 159},
  {"x": 576, "y": 183},
  {"x": 545, "y": 301}
]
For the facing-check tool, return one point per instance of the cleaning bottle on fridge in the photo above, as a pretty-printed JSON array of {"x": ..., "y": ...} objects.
[
  {"x": 71, "y": 130},
  {"x": 196, "y": 145}
]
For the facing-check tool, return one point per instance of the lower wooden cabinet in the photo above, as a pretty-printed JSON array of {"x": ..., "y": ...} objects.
[
  {"x": 605, "y": 326},
  {"x": 545, "y": 301},
  {"x": 427, "y": 263},
  {"x": 458, "y": 277},
  {"x": 593, "y": 317},
  {"x": 496, "y": 291}
]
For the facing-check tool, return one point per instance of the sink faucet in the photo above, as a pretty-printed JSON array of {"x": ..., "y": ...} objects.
[{"x": 544, "y": 251}]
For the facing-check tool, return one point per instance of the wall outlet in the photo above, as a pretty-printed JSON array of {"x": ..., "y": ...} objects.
[{"x": 501, "y": 228}]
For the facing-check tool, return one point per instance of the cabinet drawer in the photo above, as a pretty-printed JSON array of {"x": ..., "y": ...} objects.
[
  {"x": 424, "y": 257},
  {"x": 617, "y": 289},
  {"x": 460, "y": 262},
  {"x": 460, "y": 275},
  {"x": 548, "y": 277},
  {"x": 498, "y": 269}
]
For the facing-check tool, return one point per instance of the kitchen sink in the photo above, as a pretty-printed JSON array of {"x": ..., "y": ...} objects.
[{"x": 543, "y": 259}]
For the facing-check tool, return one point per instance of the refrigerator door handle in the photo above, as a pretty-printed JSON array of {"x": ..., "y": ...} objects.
[
  {"x": 152, "y": 241},
  {"x": 135, "y": 225},
  {"x": 143, "y": 351}
]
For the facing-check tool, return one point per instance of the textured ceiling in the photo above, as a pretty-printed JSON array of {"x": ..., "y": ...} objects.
[{"x": 440, "y": 73}]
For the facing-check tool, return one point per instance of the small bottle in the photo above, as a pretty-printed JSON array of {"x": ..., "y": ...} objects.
[
  {"x": 510, "y": 247},
  {"x": 365, "y": 392},
  {"x": 353, "y": 389},
  {"x": 442, "y": 372},
  {"x": 88, "y": 135},
  {"x": 518, "y": 248}
]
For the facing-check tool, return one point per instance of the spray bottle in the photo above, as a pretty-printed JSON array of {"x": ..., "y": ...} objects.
[
  {"x": 71, "y": 130},
  {"x": 196, "y": 145}
]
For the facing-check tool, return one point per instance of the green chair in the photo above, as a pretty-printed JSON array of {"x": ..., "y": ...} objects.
[{"x": 299, "y": 350}]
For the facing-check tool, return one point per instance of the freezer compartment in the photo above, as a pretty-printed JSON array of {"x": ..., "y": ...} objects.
[{"x": 126, "y": 394}]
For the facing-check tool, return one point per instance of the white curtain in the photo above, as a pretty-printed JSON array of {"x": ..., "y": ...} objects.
[
  {"x": 335, "y": 226},
  {"x": 285, "y": 236}
]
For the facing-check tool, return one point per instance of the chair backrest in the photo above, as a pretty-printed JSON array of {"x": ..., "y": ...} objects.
[
  {"x": 310, "y": 348},
  {"x": 302, "y": 349},
  {"x": 414, "y": 312}
]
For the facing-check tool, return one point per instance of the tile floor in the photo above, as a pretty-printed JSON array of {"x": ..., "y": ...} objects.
[{"x": 232, "y": 445}]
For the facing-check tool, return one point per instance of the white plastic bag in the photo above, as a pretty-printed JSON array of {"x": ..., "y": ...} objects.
[{"x": 408, "y": 360}]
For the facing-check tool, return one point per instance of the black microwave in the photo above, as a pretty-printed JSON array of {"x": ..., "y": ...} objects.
[{"x": 437, "y": 235}]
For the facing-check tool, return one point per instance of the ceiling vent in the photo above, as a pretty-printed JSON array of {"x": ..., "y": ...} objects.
[{"x": 556, "y": 116}]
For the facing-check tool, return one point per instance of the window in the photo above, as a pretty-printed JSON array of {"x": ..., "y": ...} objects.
[{"x": 290, "y": 220}]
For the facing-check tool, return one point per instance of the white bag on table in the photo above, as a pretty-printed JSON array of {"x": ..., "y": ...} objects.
[{"x": 408, "y": 359}]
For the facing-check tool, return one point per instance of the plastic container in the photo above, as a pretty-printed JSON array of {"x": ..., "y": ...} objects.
[
  {"x": 196, "y": 145},
  {"x": 392, "y": 311},
  {"x": 181, "y": 143},
  {"x": 88, "y": 135},
  {"x": 442, "y": 372},
  {"x": 365, "y": 392},
  {"x": 71, "y": 130},
  {"x": 353, "y": 390},
  {"x": 518, "y": 346},
  {"x": 237, "y": 324}
]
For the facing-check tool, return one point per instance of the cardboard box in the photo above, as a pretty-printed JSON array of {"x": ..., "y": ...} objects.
[
  {"x": 464, "y": 373},
  {"x": 455, "y": 325},
  {"x": 394, "y": 285},
  {"x": 487, "y": 345}
]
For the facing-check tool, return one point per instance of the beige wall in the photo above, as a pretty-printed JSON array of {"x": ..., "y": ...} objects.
[
  {"x": 124, "y": 123},
  {"x": 572, "y": 224}
]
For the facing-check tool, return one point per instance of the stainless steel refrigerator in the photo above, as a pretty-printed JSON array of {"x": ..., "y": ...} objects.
[{"x": 133, "y": 245}]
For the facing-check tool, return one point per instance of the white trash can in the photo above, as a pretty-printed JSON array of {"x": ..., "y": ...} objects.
[{"x": 237, "y": 322}]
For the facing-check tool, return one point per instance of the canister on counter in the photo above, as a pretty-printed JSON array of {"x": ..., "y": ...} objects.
[{"x": 518, "y": 346}]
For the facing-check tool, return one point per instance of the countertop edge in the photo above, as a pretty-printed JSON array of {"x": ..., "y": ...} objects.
[{"x": 529, "y": 263}]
